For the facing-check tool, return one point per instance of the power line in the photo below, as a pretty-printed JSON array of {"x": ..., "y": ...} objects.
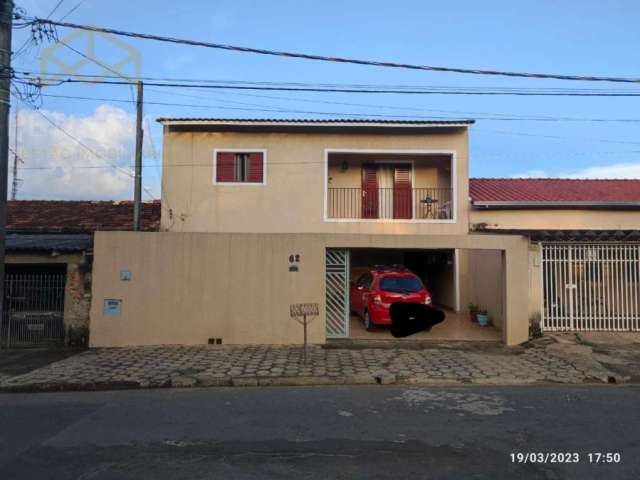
[
  {"x": 20, "y": 50},
  {"x": 72, "y": 10},
  {"x": 83, "y": 145},
  {"x": 55, "y": 8},
  {"x": 318, "y": 84},
  {"x": 90, "y": 150},
  {"x": 558, "y": 137},
  {"x": 38, "y": 82},
  {"x": 351, "y": 104},
  {"x": 100, "y": 64},
  {"x": 181, "y": 165},
  {"x": 335, "y": 59},
  {"x": 350, "y": 114}
]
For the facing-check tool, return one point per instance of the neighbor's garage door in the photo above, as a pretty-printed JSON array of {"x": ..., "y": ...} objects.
[{"x": 591, "y": 286}]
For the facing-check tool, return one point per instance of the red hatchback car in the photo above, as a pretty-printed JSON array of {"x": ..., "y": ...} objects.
[{"x": 374, "y": 292}]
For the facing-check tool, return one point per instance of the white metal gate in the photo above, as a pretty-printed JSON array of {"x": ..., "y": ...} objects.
[
  {"x": 337, "y": 293},
  {"x": 33, "y": 313},
  {"x": 591, "y": 286}
]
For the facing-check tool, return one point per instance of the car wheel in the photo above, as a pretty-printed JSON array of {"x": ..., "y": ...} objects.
[{"x": 368, "y": 324}]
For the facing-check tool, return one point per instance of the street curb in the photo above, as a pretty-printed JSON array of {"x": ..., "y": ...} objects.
[{"x": 186, "y": 382}]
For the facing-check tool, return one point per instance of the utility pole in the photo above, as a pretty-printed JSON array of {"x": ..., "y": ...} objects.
[
  {"x": 137, "y": 193},
  {"x": 14, "y": 184},
  {"x": 6, "y": 13}
]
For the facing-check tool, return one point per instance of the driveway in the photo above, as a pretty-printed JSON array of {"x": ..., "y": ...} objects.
[{"x": 20, "y": 361}]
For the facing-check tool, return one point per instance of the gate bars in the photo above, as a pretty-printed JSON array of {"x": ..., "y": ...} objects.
[
  {"x": 337, "y": 293},
  {"x": 34, "y": 310},
  {"x": 590, "y": 286}
]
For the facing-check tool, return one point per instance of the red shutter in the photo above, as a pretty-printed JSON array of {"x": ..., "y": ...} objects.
[
  {"x": 256, "y": 168},
  {"x": 402, "y": 205},
  {"x": 225, "y": 167},
  {"x": 369, "y": 190}
]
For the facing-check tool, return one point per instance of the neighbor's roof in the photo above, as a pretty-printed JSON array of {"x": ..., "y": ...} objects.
[
  {"x": 305, "y": 125},
  {"x": 52, "y": 216},
  {"x": 553, "y": 192},
  {"x": 569, "y": 235},
  {"x": 48, "y": 242}
]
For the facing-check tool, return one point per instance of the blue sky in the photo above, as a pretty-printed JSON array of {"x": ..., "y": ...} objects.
[{"x": 572, "y": 37}]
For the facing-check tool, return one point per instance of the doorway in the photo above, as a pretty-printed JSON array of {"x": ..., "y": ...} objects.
[{"x": 387, "y": 190}]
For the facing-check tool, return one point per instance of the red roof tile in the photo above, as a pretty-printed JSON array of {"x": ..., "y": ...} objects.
[
  {"x": 78, "y": 216},
  {"x": 533, "y": 190}
]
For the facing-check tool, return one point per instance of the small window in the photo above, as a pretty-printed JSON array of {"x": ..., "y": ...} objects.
[{"x": 239, "y": 167}]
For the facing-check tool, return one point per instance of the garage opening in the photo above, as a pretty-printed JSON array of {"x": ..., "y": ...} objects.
[{"x": 350, "y": 313}]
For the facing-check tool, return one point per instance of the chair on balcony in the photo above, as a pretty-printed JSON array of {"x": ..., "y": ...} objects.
[{"x": 444, "y": 212}]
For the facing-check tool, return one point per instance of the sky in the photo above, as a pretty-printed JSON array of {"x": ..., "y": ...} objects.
[{"x": 581, "y": 37}]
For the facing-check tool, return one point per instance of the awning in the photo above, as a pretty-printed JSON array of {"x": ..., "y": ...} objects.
[
  {"x": 570, "y": 235},
  {"x": 48, "y": 242}
]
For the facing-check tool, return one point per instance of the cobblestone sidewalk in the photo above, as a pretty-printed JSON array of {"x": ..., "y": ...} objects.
[{"x": 192, "y": 366}]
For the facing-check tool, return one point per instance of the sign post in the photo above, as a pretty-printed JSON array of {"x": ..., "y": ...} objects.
[{"x": 300, "y": 312}]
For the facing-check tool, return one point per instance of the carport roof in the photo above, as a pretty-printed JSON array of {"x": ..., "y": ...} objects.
[
  {"x": 570, "y": 235},
  {"x": 50, "y": 242}
]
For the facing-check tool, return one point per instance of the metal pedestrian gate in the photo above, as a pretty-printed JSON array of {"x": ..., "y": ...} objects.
[
  {"x": 33, "y": 310},
  {"x": 591, "y": 286},
  {"x": 337, "y": 293}
]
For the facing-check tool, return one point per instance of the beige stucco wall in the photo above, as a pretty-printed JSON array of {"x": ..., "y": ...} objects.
[
  {"x": 486, "y": 286},
  {"x": 292, "y": 201},
  {"x": 535, "y": 289},
  {"x": 186, "y": 288},
  {"x": 557, "y": 219}
]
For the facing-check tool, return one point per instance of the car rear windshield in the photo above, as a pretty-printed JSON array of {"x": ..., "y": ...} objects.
[{"x": 401, "y": 284}]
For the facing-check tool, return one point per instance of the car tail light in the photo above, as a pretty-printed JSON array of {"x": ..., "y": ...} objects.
[
  {"x": 377, "y": 299},
  {"x": 427, "y": 300}
]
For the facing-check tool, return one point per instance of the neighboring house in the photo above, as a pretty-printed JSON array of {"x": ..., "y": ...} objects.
[
  {"x": 585, "y": 246},
  {"x": 48, "y": 265}
]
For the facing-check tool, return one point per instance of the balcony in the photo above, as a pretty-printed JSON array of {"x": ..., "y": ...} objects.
[{"x": 428, "y": 203}]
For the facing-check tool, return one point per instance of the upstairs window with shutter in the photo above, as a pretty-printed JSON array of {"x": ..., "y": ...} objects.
[{"x": 239, "y": 167}]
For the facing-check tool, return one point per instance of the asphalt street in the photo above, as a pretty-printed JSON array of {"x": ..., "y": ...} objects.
[{"x": 386, "y": 432}]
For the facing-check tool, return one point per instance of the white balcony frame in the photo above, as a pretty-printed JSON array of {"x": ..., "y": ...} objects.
[{"x": 454, "y": 186}]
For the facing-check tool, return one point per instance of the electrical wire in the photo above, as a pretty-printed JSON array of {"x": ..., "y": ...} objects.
[
  {"x": 334, "y": 59},
  {"x": 321, "y": 84},
  {"x": 350, "y": 114},
  {"x": 39, "y": 82},
  {"x": 72, "y": 10},
  {"x": 55, "y": 8},
  {"x": 90, "y": 150}
]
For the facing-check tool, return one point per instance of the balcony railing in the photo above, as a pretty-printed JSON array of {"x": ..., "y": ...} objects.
[{"x": 429, "y": 203}]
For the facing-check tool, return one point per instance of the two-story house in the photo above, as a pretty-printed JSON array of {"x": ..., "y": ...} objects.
[{"x": 261, "y": 214}]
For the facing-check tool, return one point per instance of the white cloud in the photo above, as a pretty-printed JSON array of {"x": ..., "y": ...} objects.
[
  {"x": 531, "y": 174},
  {"x": 616, "y": 170},
  {"x": 58, "y": 167}
]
